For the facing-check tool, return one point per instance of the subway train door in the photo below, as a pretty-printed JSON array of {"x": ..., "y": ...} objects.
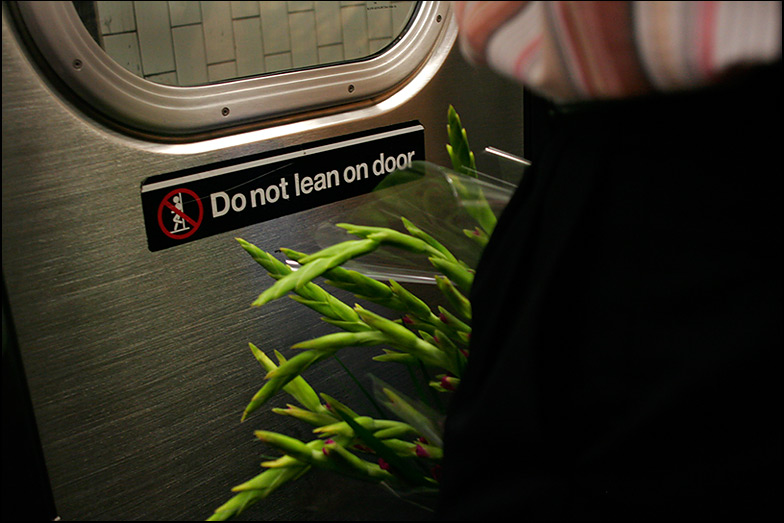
[{"x": 130, "y": 130}]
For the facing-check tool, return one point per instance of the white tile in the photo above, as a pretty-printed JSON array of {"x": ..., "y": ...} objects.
[
  {"x": 330, "y": 54},
  {"x": 379, "y": 19},
  {"x": 303, "y": 39},
  {"x": 400, "y": 15},
  {"x": 218, "y": 31},
  {"x": 250, "y": 52},
  {"x": 164, "y": 78},
  {"x": 275, "y": 27},
  {"x": 244, "y": 9},
  {"x": 184, "y": 13},
  {"x": 115, "y": 17},
  {"x": 355, "y": 39},
  {"x": 299, "y": 6},
  {"x": 223, "y": 71},
  {"x": 377, "y": 44},
  {"x": 124, "y": 49},
  {"x": 155, "y": 39},
  {"x": 328, "y": 30},
  {"x": 189, "y": 52},
  {"x": 277, "y": 62}
]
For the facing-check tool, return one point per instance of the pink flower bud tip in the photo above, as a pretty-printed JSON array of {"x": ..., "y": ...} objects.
[
  {"x": 407, "y": 320},
  {"x": 383, "y": 464},
  {"x": 421, "y": 452},
  {"x": 446, "y": 382},
  {"x": 443, "y": 318}
]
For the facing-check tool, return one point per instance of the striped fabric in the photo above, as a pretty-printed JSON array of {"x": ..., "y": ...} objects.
[{"x": 570, "y": 51}]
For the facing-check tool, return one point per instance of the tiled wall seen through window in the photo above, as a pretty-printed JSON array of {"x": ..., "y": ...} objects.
[{"x": 195, "y": 43}]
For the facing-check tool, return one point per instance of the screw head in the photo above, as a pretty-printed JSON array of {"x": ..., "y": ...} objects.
[
  {"x": 77, "y": 63},
  {"x": 225, "y": 111}
]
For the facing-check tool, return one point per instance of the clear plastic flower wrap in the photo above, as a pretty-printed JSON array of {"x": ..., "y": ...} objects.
[
  {"x": 424, "y": 224},
  {"x": 437, "y": 200}
]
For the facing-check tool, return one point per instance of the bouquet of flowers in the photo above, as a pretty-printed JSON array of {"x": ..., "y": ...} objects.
[{"x": 402, "y": 447}]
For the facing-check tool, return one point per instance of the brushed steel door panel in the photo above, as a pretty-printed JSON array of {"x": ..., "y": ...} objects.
[{"x": 137, "y": 362}]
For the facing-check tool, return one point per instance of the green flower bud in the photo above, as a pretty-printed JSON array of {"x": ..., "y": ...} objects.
[
  {"x": 339, "y": 340},
  {"x": 274, "y": 266},
  {"x": 396, "y": 357},
  {"x": 418, "y": 308},
  {"x": 460, "y": 303},
  {"x": 282, "y": 375},
  {"x": 364, "y": 469},
  {"x": 293, "y": 447},
  {"x": 342, "y": 252},
  {"x": 451, "y": 321},
  {"x": 405, "y": 340},
  {"x": 330, "y": 307},
  {"x": 463, "y": 278},
  {"x": 392, "y": 238},
  {"x": 298, "y": 388},
  {"x": 314, "y": 418},
  {"x": 415, "y": 231}
]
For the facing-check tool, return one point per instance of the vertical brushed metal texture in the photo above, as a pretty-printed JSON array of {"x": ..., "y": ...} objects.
[{"x": 137, "y": 362}]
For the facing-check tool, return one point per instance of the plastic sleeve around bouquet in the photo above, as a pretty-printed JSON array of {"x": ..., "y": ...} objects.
[{"x": 447, "y": 205}]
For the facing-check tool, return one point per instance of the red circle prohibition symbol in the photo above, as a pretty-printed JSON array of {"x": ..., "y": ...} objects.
[{"x": 167, "y": 204}]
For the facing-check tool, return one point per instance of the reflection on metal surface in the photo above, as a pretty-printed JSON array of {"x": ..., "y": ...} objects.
[{"x": 172, "y": 113}]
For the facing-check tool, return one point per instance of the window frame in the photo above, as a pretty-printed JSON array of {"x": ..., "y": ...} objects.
[{"x": 165, "y": 111}]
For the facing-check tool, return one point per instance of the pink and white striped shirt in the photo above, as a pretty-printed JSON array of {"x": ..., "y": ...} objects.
[{"x": 571, "y": 51}]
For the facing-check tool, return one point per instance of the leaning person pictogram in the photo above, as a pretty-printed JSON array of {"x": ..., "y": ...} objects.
[{"x": 180, "y": 214}]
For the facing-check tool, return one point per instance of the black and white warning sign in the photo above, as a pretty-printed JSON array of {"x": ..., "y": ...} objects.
[{"x": 188, "y": 205}]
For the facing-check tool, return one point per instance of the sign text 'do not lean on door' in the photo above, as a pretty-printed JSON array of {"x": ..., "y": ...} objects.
[{"x": 188, "y": 205}]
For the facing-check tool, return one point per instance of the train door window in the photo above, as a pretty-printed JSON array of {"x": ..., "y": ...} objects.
[
  {"x": 180, "y": 69},
  {"x": 198, "y": 43}
]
